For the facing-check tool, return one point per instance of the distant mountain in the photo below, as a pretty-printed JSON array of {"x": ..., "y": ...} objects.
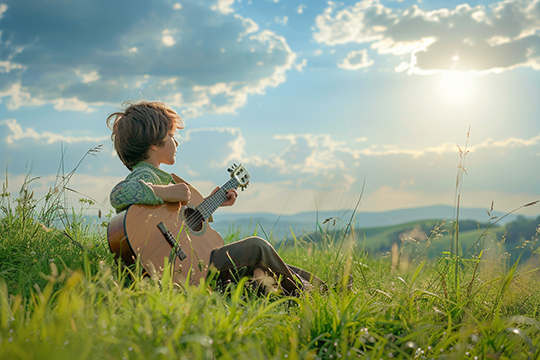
[{"x": 304, "y": 222}]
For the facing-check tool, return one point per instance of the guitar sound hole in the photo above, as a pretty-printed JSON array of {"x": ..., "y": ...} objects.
[{"x": 194, "y": 219}]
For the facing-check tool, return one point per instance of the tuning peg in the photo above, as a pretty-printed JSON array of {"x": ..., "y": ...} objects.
[
  {"x": 229, "y": 169},
  {"x": 243, "y": 188}
]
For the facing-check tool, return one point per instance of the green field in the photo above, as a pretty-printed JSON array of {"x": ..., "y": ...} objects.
[
  {"x": 379, "y": 240},
  {"x": 62, "y": 296}
]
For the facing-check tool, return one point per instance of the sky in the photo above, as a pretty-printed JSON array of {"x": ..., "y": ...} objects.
[{"x": 318, "y": 99}]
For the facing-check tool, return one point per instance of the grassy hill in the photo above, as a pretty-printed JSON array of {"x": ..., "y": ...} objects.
[
  {"x": 63, "y": 296},
  {"x": 281, "y": 226},
  {"x": 411, "y": 236}
]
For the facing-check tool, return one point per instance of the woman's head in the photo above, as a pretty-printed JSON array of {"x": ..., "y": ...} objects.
[{"x": 140, "y": 126}]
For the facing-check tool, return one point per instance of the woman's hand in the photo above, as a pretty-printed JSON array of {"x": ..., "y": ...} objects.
[{"x": 231, "y": 197}]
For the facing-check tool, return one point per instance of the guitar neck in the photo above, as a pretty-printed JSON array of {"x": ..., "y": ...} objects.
[{"x": 211, "y": 203}]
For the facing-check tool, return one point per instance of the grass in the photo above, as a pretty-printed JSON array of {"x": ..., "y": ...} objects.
[{"x": 62, "y": 296}]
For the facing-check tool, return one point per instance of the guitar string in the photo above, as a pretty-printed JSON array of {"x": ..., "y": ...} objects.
[
  {"x": 198, "y": 216},
  {"x": 211, "y": 202}
]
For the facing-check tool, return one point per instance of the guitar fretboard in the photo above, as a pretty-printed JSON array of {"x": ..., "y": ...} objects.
[{"x": 211, "y": 203}]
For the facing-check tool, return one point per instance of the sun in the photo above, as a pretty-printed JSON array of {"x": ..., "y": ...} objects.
[{"x": 457, "y": 88}]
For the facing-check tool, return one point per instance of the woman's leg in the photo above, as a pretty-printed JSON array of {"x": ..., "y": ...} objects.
[{"x": 249, "y": 254}]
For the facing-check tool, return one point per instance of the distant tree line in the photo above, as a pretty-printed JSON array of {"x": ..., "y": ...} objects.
[
  {"x": 467, "y": 225},
  {"x": 521, "y": 229}
]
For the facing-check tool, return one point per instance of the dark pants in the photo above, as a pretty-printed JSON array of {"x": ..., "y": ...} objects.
[{"x": 254, "y": 252}]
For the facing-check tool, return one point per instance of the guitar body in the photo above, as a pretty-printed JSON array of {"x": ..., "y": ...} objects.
[{"x": 134, "y": 233}]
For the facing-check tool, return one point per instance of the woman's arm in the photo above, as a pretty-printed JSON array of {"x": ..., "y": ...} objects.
[{"x": 173, "y": 193}]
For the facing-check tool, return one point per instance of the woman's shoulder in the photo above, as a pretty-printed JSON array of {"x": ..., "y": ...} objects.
[
  {"x": 148, "y": 173},
  {"x": 143, "y": 173}
]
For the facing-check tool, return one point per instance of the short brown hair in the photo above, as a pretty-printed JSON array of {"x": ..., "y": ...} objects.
[{"x": 140, "y": 126}]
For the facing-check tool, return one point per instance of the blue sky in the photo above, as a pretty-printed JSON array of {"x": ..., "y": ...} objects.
[{"x": 312, "y": 96}]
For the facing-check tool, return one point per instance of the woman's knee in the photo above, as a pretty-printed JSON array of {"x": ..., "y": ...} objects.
[{"x": 255, "y": 242}]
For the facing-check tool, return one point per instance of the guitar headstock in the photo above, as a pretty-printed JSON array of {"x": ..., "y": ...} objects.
[{"x": 241, "y": 174}]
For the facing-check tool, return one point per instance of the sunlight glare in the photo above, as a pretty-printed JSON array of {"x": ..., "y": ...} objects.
[{"x": 457, "y": 88}]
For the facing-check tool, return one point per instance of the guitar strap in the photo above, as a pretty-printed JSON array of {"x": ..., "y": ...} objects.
[{"x": 177, "y": 179}]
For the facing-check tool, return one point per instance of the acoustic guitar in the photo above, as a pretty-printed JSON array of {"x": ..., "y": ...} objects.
[{"x": 179, "y": 233}]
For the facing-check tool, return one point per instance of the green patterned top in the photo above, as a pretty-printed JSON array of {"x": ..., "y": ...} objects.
[{"x": 135, "y": 188}]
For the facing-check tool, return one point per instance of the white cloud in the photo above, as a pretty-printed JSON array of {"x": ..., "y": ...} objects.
[
  {"x": 356, "y": 60},
  {"x": 311, "y": 153},
  {"x": 47, "y": 137},
  {"x": 301, "y": 8},
  {"x": 319, "y": 155},
  {"x": 237, "y": 151},
  {"x": 249, "y": 25},
  {"x": 8, "y": 65},
  {"x": 401, "y": 67},
  {"x": 223, "y": 6},
  {"x": 512, "y": 142},
  {"x": 261, "y": 197},
  {"x": 318, "y": 168},
  {"x": 235, "y": 94},
  {"x": 300, "y": 66},
  {"x": 73, "y": 104},
  {"x": 465, "y": 38},
  {"x": 319, "y": 162},
  {"x": 97, "y": 72},
  {"x": 282, "y": 20},
  {"x": 286, "y": 198},
  {"x": 18, "y": 97},
  {"x": 87, "y": 77},
  {"x": 168, "y": 40}
]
